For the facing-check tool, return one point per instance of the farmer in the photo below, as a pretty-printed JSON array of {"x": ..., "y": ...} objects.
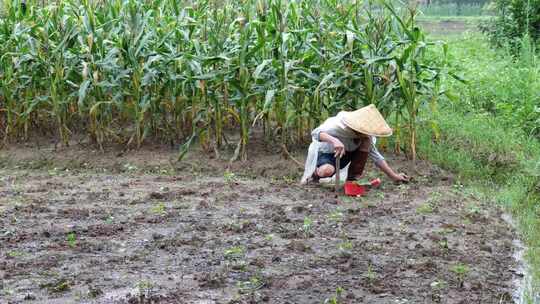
[{"x": 352, "y": 136}]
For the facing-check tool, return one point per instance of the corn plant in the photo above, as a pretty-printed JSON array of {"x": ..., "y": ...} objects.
[{"x": 188, "y": 72}]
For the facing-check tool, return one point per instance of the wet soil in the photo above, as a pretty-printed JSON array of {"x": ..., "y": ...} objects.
[{"x": 85, "y": 227}]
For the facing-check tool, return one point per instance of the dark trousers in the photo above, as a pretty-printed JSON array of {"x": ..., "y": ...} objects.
[{"x": 357, "y": 160}]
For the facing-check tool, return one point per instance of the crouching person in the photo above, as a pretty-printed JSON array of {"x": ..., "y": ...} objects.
[{"x": 352, "y": 137}]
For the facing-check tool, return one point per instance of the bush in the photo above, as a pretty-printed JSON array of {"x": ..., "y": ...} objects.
[{"x": 515, "y": 19}]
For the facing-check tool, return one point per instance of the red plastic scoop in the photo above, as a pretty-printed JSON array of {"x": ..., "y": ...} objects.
[{"x": 354, "y": 188}]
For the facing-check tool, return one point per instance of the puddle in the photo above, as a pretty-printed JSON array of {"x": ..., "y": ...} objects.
[{"x": 524, "y": 293}]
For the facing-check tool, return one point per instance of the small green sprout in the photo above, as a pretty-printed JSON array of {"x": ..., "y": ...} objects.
[
  {"x": 229, "y": 177},
  {"x": 461, "y": 271},
  {"x": 159, "y": 209},
  {"x": 254, "y": 283},
  {"x": 370, "y": 274},
  {"x": 425, "y": 208},
  {"x": 335, "y": 299},
  {"x": 306, "y": 227},
  {"x": 234, "y": 253},
  {"x": 72, "y": 239}
]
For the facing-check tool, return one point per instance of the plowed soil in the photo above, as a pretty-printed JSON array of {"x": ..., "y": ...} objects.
[{"x": 87, "y": 227}]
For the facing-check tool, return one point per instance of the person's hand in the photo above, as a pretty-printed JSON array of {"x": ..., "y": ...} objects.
[
  {"x": 401, "y": 178},
  {"x": 339, "y": 148}
]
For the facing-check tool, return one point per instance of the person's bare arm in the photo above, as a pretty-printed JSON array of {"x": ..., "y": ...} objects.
[
  {"x": 339, "y": 148},
  {"x": 396, "y": 177}
]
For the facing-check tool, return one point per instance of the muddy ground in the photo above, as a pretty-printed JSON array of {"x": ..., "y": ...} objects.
[{"x": 78, "y": 226}]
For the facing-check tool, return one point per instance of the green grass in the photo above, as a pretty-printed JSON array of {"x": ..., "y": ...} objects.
[
  {"x": 487, "y": 134},
  {"x": 500, "y": 163},
  {"x": 489, "y": 150},
  {"x": 500, "y": 85}
]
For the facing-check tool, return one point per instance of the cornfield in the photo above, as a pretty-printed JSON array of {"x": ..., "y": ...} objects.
[{"x": 193, "y": 71}]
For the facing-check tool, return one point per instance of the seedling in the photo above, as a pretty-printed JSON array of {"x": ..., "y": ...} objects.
[
  {"x": 337, "y": 215},
  {"x": 461, "y": 271},
  {"x": 444, "y": 244},
  {"x": 336, "y": 298},
  {"x": 62, "y": 286},
  {"x": 72, "y": 239},
  {"x": 438, "y": 285},
  {"x": 345, "y": 248},
  {"x": 233, "y": 253},
  {"x": 109, "y": 220},
  {"x": 14, "y": 254},
  {"x": 57, "y": 286},
  {"x": 254, "y": 283},
  {"x": 145, "y": 288},
  {"x": 306, "y": 228},
  {"x": 229, "y": 177},
  {"x": 425, "y": 208},
  {"x": 473, "y": 209},
  {"x": 130, "y": 168},
  {"x": 370, "y": 274},
  {"x": 289, "y": 179},
  {"x": 159, "y": 209}
]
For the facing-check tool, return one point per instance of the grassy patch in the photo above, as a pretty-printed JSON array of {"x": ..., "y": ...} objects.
[
  {"x": 488, "y": 134},
  {"x": 499, "y": 163}
]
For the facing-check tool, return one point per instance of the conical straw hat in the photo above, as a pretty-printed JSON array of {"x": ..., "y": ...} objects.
[{"x": 367, "y": 120}]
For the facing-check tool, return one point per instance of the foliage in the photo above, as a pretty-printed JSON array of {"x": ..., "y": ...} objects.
[
  {"x": 488, "y": 134},
  {"x": 127, "y": 70},
  {"x": 515, "y": 20},
  {"x": 498, "y": 83}
]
